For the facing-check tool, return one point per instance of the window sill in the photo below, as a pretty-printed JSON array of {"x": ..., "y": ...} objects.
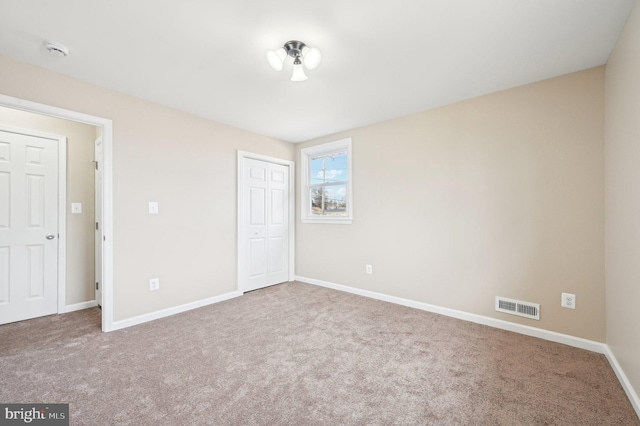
[{"x": 336, "y": 221}]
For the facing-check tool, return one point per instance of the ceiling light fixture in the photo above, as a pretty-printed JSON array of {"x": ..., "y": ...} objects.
[{"x": 301, "y": 54}]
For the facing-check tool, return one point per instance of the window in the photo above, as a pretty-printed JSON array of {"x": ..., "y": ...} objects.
[{"x": 326, "y": 183}]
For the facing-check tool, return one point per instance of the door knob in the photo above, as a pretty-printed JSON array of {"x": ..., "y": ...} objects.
[{"x": 50, "y": 236}]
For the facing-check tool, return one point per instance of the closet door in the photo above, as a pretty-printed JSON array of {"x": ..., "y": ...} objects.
[{"x": 265, "y": 227}]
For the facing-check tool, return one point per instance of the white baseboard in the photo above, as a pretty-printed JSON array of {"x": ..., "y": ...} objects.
[
  {"x": 624, "y": 381},
  {"x": 79, "y": 306},
  {"x": 117, "y": 325},
  {"x": 566, "y": 339}
]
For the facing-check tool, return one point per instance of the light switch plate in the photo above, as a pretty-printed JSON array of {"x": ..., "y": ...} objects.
[
  {"x": 76, "y": 208},
  {"x": 153, "y": 207}
]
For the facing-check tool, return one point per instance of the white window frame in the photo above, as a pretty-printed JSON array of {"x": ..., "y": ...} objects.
[{"x": 305, "y": 158}]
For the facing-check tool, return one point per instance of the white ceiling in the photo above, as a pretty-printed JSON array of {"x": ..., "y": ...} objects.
[{"x": 381, "y": 58}]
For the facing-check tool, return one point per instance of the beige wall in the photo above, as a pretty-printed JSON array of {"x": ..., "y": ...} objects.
[
  {"x": 499, "y": 195},
  {"x": 80, "y": 189},
  {"x": 622, "y": 184},
  {"x": 186, "y": 163}
]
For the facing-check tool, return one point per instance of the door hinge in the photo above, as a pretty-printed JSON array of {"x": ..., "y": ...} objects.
[
  {"x": 97, "y": 286},
  {"x": 96, "y": 163},
  {"x": 97, "y": 227}
]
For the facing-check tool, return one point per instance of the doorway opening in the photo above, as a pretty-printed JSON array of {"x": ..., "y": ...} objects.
[{"x": 95, "y": 155}]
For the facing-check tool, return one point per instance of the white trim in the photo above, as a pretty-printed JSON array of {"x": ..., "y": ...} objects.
[
  {"x": 107, "y": 188},
  {"x": 79, "y": 306},
  {"x": 141, "y": 319},
  {"x": 336, "y": 221},
  {"x": 565, "y": 339},
  {"x": 97, "y": 216},
  {"x": 624, "y": 381},
  {"x": 62, "y": 202},
  {"x": 305, "y": 153},
  {"x": 292, "y": 210}
]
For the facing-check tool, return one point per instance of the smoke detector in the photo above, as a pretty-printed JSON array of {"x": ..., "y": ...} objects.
[{"x": 57, "y": 49}]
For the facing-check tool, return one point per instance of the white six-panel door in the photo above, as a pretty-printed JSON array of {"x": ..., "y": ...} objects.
[
  {"x": 265, "y": 224},
  {"x": 28, "y": 226}
]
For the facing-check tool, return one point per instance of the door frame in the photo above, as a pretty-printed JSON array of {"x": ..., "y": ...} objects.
[
  {"x": 97, "y": 216},
  {"x": 242, "y": 155},
  {"x": 61, "y": 277},
  {"x": 107, "y": 189}
]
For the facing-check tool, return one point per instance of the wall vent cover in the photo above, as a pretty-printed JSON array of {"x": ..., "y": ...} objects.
[{"x": 516, "y": 307}]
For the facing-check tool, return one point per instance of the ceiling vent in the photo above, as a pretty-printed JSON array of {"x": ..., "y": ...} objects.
[{"x": 516, "y": 307}]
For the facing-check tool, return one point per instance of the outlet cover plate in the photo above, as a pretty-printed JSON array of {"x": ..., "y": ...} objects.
[
  {"x": 154, "y": 284},
  {"x": 568, "y": 301}
]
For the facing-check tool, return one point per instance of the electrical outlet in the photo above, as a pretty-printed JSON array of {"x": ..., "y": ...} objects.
[
  {"x": 568, "y": 301},
  {"x": 154, "y": 284},
  {"x": 369, "y": 269}
]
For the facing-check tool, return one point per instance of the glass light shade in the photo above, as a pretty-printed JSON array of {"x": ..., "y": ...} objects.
[
  {"x": 312, "y": 57},
  {"x": 276, "y": 57},
  {"x": 298, "y": 73}
]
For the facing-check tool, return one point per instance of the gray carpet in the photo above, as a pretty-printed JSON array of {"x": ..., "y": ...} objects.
[{"x": 296, "y": 354}]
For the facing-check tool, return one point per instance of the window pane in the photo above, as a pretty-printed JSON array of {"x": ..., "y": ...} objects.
[
  {"x": 329, "y": 168},
  {"x": 329, "y": 200}
]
